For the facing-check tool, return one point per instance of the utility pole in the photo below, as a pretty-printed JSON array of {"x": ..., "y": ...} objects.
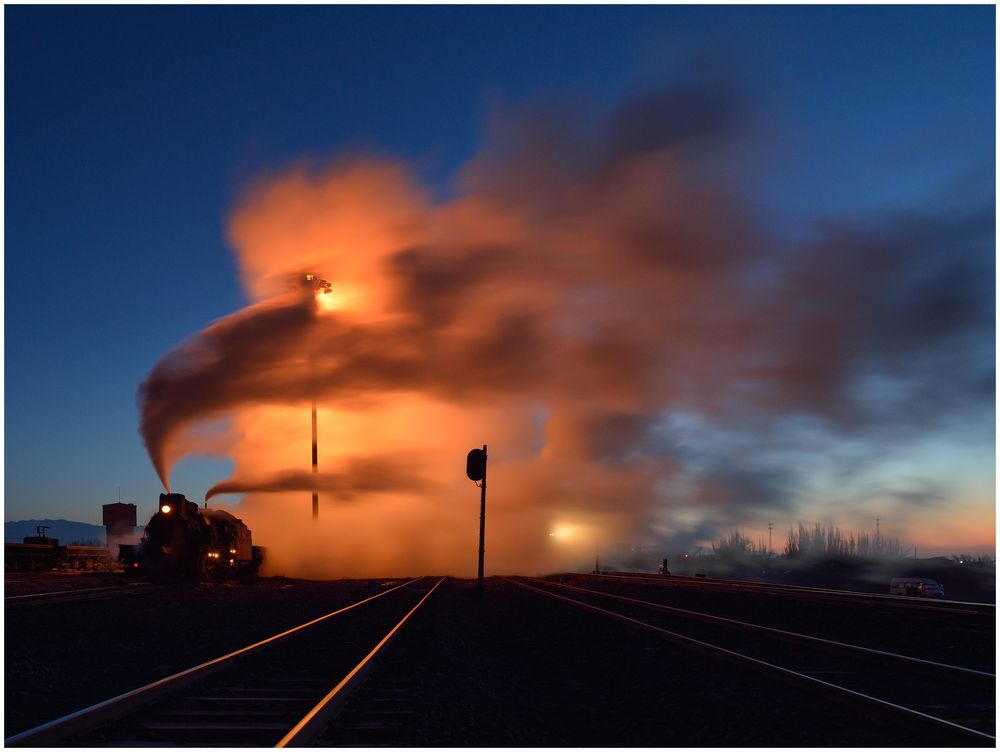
[
  {"x": 769, "y": 526},
  {"x": 877, "y": 531}
]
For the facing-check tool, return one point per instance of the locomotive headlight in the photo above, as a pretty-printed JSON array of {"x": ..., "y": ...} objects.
[{"x": 165, "y": 509}]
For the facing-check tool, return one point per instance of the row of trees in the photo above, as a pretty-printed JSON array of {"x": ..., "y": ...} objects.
[
  {"x": 823, "y": 539},
  {"x": 986, "y": 560},
  {"x": 827, "y": 540}
]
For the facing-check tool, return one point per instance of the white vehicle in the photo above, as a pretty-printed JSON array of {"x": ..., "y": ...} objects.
[{"x": 920, "y": 587}]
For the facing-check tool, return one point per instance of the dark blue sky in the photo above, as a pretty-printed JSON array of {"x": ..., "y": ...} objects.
[{"x": 132, "y": 131}]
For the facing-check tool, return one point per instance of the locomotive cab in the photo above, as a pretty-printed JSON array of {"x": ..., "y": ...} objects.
[{"x": 227, "y": 543}]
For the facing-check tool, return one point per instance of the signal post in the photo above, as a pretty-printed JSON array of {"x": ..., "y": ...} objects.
[{"x": 475, "y": 469}]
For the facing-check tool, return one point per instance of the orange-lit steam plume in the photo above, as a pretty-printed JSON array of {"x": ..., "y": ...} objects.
[
  {"x": 545, "y": 310},
  {"x": 250, "y": 353},
  {"x": 360, "y": 477}
]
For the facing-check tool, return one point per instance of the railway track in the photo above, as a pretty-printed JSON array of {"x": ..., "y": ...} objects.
[
  {"x": 830, "y": 594},
  {"x": 281, "y": 691},
  {"x": 79, "y": 594},
  {"x": 953, "y": 702},
  {"x": 960, "y": 637}
]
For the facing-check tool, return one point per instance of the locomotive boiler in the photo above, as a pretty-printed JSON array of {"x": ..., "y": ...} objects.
[{"x": 183, "y": 542}]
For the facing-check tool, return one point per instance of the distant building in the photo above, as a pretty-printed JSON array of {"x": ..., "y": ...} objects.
[{"x": 120, "y": 520}]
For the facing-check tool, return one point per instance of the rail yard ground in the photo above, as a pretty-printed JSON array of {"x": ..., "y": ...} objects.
[{"x": 504, "y": 667}]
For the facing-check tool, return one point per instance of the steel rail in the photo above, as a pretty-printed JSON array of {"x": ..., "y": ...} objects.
[
  {"x": 56, "y": 594},
  {"x": 314, "y": 722},
  {"x": 59, "y": 597},
  {"x": 89, "y": 718},
  {"x": 967, "y": 673},
  {"x": 943, "y": 605},
  {"x": 788, "y": 673}
]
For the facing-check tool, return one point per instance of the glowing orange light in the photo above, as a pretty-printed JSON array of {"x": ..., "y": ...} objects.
[
  {"x": 326, "y": 301},
  {"x": 564, "y": 532},
  {"x": 165, "y": 509}
]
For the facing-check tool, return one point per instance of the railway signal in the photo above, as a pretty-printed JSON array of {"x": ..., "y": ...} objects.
[{"x": 475, "y": 468}]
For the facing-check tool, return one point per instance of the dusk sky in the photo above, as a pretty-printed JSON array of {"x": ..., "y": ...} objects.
[{"x": 685, "y": 269}]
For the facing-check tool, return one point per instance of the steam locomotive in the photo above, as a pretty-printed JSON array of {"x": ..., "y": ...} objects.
[{"x": 185, "y": 543}]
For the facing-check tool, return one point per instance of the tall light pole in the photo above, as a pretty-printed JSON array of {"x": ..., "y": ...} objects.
[
  {"x": 315, "y": 459},
  {"x": 318, "y": 287},
  {"x": 769, "y": 526}
]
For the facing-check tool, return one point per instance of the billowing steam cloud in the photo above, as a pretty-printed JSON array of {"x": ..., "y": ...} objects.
[
  {"x": 360, "y": 477},
  {"x": 249, "y": 353},
  {"x": 593, "y": 299}
]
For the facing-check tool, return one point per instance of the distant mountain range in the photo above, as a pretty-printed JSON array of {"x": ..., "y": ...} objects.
[{"x": 66, "y": 531}]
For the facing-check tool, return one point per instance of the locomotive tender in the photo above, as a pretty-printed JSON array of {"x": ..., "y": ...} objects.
[{"x": 183, "y": 542}]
